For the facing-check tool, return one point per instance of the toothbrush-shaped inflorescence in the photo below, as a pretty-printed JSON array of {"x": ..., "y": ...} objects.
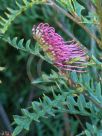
[{"x": 65, "y": 55}]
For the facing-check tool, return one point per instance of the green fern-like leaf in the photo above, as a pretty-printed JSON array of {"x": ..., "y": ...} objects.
[
  {"x": 24, "y": 46},
  {"x": 91, "y": 129},
  {"x": 64, "y": 102},
  {"x": 61, "y": 103},
  {"x": 13, "y": 13},
  {"x": 19, "y": 44}
]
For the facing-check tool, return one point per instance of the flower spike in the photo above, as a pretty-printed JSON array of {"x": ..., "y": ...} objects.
[{"x": 65, "y": 55}]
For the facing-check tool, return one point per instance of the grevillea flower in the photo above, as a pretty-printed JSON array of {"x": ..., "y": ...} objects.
[{"x": 65, "y": 55}]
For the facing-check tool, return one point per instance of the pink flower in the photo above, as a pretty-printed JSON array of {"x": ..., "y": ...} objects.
[{"x": 65, "y": 55}]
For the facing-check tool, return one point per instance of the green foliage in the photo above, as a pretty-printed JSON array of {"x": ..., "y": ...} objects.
[
  {"x": 76, "y": 9},
  {"x": 72, "y": 5},
  {"x": 52, "y": 98},
  {"x": 91, "y": 130},
  {"x": 5, "y": 23},
  {"x": 19, "y": 44},
  {"x": 69, "y": 101},
  {"x": 49, "y": 107}
]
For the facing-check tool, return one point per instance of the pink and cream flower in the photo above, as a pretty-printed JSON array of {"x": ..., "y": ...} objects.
[{"x": 65, "y": 55}]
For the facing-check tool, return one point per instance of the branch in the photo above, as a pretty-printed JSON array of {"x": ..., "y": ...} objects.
[
  {"x": 76, "y": 20},
  {"x": 68, "y": 33}
]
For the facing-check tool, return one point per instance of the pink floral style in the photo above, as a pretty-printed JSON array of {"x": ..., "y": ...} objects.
[{"x": 65, "y": 55}]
